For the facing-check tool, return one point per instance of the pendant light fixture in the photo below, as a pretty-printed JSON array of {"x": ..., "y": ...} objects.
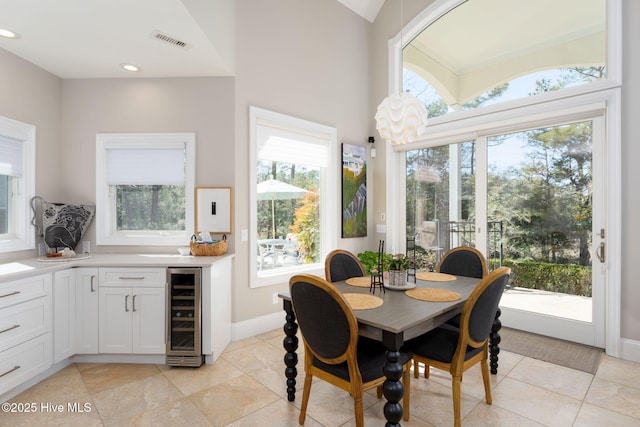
[{"x": 401, "y": 117}]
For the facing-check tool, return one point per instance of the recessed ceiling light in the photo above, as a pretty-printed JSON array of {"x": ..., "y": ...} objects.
[
  {"x": 130, "y": 67},
  {"x": 8, "y": 34}
]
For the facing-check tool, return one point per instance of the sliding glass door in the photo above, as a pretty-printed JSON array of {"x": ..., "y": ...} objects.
[
  {"x": 542, "y": 187},
  {"x": 531, "y": 199}
]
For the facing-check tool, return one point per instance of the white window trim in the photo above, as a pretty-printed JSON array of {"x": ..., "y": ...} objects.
[
  {"x": 329, "y": 209},
  {"x": 22, "y": 235},
  {"x": 105, "y": 218},
  {"x": 606, "y": 91}
]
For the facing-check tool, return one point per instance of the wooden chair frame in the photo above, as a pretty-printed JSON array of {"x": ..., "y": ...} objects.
[
  {"x": 458, "y": 364},
  {"x": 452, "y": 251},
  {"x": 355, "y": 387},
  {"x": 333, "y": 253}
]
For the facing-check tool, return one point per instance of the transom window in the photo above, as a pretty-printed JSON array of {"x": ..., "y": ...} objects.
[{"x": 516, "y": 50}]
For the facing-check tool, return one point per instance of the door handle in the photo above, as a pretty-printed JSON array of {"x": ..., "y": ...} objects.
[
  {"x": 92, "y": 288},
  {"x": 126, "y": 303},
  {"x": 600, "y": 252},
  {"x": 134, "y": 303}
]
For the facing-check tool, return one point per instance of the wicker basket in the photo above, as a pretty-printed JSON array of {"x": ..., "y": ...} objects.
[{"x": 209, "y": 249}]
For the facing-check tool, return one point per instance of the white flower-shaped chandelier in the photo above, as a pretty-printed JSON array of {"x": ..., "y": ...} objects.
[{"x": 401, "y": 118}]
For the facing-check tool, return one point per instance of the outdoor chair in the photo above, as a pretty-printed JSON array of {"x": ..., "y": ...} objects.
[
  {"x": 334, "y": 352},
  {"x": 457, "y": 349},
  {"x": 266, "y": 252},
  {"x": 341, "y": 265}
]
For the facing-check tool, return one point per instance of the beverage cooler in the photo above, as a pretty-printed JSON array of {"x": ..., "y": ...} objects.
[{"x": 184, "y": 316}]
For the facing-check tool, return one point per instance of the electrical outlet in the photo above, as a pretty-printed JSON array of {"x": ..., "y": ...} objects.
[{"x": 275, "y": 298}]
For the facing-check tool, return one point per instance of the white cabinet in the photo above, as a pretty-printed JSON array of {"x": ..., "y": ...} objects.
[
  {"x": 132, "y": 310},
  {"x": 64, "y": 314},
  {"x": 25, "y": 329},
  {"x": 216, "y": 308},
  {"x": 86, "y": 310}
]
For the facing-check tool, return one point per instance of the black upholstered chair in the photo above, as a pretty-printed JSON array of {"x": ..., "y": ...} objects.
[
  {"x": 463, "y": 261},
  {"x": 457, "y": 349},
  {"x": 341, "y": 265},
  {"x": 333, "y": 350}
]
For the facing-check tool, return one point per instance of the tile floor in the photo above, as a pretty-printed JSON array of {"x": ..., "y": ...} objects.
[{"x": 245, "y": 387}]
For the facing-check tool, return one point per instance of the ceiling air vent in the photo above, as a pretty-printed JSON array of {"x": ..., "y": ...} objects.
[{"x": 170, "y": 40}]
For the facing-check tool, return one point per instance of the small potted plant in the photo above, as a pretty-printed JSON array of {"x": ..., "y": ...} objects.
[{"x": 397, "y": 270}]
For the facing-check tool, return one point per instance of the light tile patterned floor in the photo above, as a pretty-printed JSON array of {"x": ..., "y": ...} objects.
[{"x": 245, "y": 387}]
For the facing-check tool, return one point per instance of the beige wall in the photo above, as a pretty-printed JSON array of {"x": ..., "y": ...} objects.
[
  {"x": 90, "y": 106},
  {"x": 630, "y": 319},
  {"x": 314, "y": 60},
  {"x": 309, "y": 60},
  {"x": 31, "y": 95},
  {"x": 387, "y": 26}
]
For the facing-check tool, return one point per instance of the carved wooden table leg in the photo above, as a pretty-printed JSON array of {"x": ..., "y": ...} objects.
[
  {"x": 290, "y": 344},
  {"x": 494, "y": 343},
  {"x": 392, "y": 388}
]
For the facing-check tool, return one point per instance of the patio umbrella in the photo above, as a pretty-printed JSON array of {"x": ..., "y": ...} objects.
[{"x": 273, "y": 190}]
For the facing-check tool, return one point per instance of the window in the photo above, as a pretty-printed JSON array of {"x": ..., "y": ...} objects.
[
  {"x": 17, "y": 181},
  {"x": 294, "y": 207},
  {"x": 505, "y": 51},
  {"x": 145, "y": 189}
]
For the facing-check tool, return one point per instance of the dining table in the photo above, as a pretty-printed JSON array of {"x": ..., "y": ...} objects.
[{"x": 399, "y": 319}]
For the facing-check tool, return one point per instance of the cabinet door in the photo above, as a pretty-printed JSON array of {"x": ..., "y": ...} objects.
[
  {"x": 115, "y": 319},
  {"x": 149, "y": 320},
  {"x": 87, "y": 311},
  {"x": 64, "y": 320}
]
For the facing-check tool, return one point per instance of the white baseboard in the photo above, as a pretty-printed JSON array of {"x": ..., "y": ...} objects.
[
  {"x": 630, "y": 350},
  {"x": 257, "y": 325}
]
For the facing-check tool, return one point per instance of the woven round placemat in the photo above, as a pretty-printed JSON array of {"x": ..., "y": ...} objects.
[
  {"x": 434, "y": 277},
  {"x": 433, "y": 294},
  {"x": 361, "y": 282},
  {"x": 362, "y": 301}
]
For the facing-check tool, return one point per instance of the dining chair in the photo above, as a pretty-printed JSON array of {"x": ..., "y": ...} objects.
[
  {"x": 457, "y": 349},
  {"x": 334, "y": 352},
  {"x": 463, "y": 261},
  {"x": 341, "y": 265}
]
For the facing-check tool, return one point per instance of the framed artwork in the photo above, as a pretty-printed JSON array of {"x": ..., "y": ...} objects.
[
  {"x": 354, "y": 191},
  {"x": 213, "y": 210}
]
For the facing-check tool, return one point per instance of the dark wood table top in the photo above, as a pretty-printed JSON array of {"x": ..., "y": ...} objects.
[{"x": 401, "y": 314}]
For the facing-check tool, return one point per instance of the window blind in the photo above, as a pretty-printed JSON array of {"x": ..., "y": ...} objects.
[
  {"x": 11, "y": 156},
  {"x": 291, "y": 147},
  {"x": 145, "y": 166}
]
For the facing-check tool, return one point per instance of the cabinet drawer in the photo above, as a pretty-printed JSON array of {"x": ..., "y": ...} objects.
[
  {"x": 132, "y": 276},
  {"x": 17, "y": 291},
  {"x": 24, "y": 361},
  {"x": 20, "y": 323}
]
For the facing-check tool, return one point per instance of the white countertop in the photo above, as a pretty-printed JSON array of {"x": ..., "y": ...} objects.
[{"x": 31, "y": 266}]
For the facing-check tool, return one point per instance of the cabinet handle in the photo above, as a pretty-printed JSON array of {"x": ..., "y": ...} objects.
[
  {"x": 134, "y": 302},
  {"x": 9, "y": 294},
  {"x": 9, "y": 328},
  {"x": 15, "y": 368},
  {"x": 126, "y": 304},
  {"x": 131, "y": 278},
  {"x": 92, "y": 288}
]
